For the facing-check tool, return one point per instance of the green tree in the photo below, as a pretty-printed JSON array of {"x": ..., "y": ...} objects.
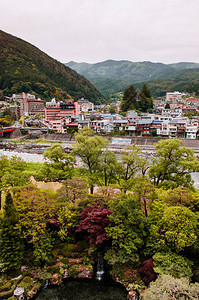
[
  {"x": 126, "y": 230},
  {"x": 111, "y": 110},
  {"x": 172, "y": 164},
  {"x": 59, "y": 164},
  {"x": 173, "y": 264},
  {"x": 131, "y": 163},
  {"x": 109, "y": 167},
  {"x": 72, "y": 197},
  {"x": 129, "y": 100},
  {"x": 12, "y": 173},
  {"x": 173, "y": 227},
  {"x": 178, "y": 196},
  {"x": 11, "y": 243},
  {"x": 145, "y": 193},
  {"x": 42, "y": 248},
  {"x": 145, "y": 99},
  {"x": 36, "y": 208},
  {"x": 89, "y": 148}
]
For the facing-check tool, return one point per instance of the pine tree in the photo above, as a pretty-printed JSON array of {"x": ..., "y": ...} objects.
[
  {"x": 11, "y": 245},
  {"x": 129, "y": 99},
  {"x": 145, "y": 99}
]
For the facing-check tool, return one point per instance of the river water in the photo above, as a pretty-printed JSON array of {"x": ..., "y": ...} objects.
[{"x": 84, "y": 289}]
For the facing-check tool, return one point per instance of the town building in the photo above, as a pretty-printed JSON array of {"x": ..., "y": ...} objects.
[
  {"x": 84, "y": 105},
  {"x": 174, "y": 97},
  {"x": 29, "y": 105},
  {"x": 59, "y": 110}
]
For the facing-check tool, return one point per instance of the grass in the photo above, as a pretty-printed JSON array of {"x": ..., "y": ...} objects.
[
  {"x": 18, "y": 141},
  {"x": 32, "y": 169},
  {"x": 37, "y": 141}
]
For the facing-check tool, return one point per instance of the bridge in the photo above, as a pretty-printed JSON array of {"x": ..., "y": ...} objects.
[{"x": 7, "y": 131}]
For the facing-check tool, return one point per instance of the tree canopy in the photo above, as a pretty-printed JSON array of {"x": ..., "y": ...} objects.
[
  {"x": 172, "y": 164},
  {"x": 129, "y": 100}
]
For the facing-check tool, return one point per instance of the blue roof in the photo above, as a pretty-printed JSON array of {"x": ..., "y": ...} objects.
[{"x": 157, "y": 122}]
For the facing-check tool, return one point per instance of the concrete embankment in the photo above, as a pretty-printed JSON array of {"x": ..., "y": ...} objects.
[{"x": 145, "y": 143}]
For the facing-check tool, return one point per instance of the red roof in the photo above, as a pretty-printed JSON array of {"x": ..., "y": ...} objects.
[
  {"x": 6, "y": 130},
  {"x": 72, "y": 124}
]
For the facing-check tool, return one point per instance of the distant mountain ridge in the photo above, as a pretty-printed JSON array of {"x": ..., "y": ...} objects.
[
  {"x": 112, "y": 76},
  {"x": 25, "y": 68}
]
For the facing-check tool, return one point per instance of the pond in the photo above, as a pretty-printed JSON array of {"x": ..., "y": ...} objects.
[{"x": 84, "y": 289}]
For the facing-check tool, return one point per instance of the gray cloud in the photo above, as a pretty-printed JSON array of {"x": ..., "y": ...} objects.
[{"x": 96, "y": 30}]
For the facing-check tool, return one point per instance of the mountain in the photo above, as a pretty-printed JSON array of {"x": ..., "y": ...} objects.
[
  {"x": 25, "y": 68},
  {"x": 186, "y": 80},
  {"x": 113, "y": 76}
]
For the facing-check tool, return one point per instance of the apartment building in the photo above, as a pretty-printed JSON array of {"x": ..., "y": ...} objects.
[{"x": 84, "y": 105}]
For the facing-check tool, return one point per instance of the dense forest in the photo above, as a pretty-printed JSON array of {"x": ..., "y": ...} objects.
[
  {"x": 25, "y": 68},
  {"x": 143, "y": 216}
]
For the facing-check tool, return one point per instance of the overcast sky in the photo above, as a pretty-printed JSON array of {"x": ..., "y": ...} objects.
[{"x": 95, "y": 30}]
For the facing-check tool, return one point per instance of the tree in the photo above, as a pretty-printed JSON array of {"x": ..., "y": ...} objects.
[
  {"x": 111, "y": 110},
  {"x": 172, "y": 228},
  {"x": 145, "y": 99},
  {"x": 173, "y": 264},
  {"x": 167, "y": 106},
  {"x": 129, "y": 99},
  {"x": 37, "y": 209},
  {"x": 172, "y": 164},
  {"x": 89, "y": 148},
  {"x": 178, "y": 196},
  {"x": 126, "y": 230},
  {"x": 60, "y": 165},
  {"x": 145, "y": 193},
  {"x": 71, "y": 198},
  {"x": 167, "y": 287},
  {"x": 109, "y": 167},
  {"x": 11, "y": 243},
  {"x": 93, "y": 222},
  {"x": 11, "y": 173},
  {"x": 131, "y": 163},
  {"x": 14, "y": 173}
]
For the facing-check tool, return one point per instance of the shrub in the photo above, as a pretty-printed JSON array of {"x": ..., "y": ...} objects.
[
  {"x": 147, "y": 272},
  {"x": 167, "y": 287},
  {"x": 73, "y": 271},
  {"x": 66, "y": 250}
]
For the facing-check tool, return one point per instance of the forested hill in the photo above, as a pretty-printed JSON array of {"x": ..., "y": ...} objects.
[
  {"x": 25, "y": 68},
  {"x": 185, "y": 81},
  {"x": 113, "y": 76}
]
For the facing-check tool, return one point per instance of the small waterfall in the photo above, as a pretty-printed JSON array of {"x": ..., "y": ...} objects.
[{"x": 100, "y": 266}]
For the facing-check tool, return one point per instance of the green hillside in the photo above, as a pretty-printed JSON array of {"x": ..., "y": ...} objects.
[
  {"x": 184, "y": 81},
  {"x": 113, "y": 76},
  {"x": 25, "y": 68}
]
